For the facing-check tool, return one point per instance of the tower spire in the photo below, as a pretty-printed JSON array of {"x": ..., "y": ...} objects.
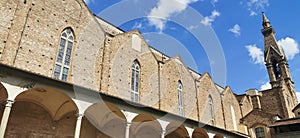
[
  {"x": 267, "y": 28},
  {"x": 266, "y": 22}
]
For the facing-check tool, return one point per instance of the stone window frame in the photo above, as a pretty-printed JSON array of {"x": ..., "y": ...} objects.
[
  {"x": 180, "y": 98},
  {"x": 260, "y": 132},
  {"x": 64, "y": 53},
  {"x": 211, "y": 109},
  {"x": 135, "y": 80}
]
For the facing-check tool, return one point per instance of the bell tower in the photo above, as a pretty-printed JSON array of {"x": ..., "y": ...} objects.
[{"x": 276, "y": 61}]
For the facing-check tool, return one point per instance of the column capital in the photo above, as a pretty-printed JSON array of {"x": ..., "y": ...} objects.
[
  {"x": 79, "y": 115},
  {"x": 5, "y": 117},
  {"x": 128, "y": 124},
  {"x": 9, "y": 103},
  {"x": 78, "y": 125}
]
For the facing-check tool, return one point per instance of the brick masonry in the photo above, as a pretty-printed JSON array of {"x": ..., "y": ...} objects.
[{"x": 102, "y": 57}]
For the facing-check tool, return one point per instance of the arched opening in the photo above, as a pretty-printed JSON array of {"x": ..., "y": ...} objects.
[
  {"x": 3, "y": 98},
  {"x": 103, "y": 120},
  {"x": 276, "y": 69},
  {"x": 176, "y": 130},
  {"x": 145, "y": 126},
  {"x": 42, "y": 112},
  {"x": 199, "y": 133}
]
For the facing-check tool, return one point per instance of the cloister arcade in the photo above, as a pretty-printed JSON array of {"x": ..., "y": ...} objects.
[{"x": 44, "y": 107}]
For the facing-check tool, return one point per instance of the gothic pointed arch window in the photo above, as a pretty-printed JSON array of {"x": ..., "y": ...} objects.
[
  {"x": 180, "y": 102},
  {"x": 63, "y": 58},
  {"x": 135, "y": 75},
  {"x": 211, "y": 109}
]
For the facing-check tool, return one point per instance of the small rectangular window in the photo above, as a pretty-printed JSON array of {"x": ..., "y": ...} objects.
[{"x": 259, "y": 132}]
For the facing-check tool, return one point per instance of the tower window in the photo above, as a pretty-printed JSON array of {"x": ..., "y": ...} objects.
[
  {"x": 276, "y": 69},
  {"x": 63, "y": 59},
  {"x": 259, "y": 132},
  {"x": 135, "y": 81},
  {"x": 180, "y": 102},
  {"x": 211, "y": 109}
]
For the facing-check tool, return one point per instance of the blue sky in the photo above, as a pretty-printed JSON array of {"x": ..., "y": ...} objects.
[{"x": 216, "y": 36}]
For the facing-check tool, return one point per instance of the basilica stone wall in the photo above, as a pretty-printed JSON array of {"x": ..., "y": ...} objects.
[
  {"x": 119, "y": 55},
  {"x": 270, "y": 100},
  {"x": 30, "y": 34},
  {"x": 231, "y": 108},
  {"x": 172, "y": 72},
  {"x": 245, "y": 104},
  {"x": 206, "y": 88}
]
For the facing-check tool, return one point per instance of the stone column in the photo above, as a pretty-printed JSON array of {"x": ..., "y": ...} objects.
[
  {"x": 5, "y": 117},
  {"x": 128, "y": 124},
  {"x": 78, "y": 125},
  {"x": 163, "y": 133}
]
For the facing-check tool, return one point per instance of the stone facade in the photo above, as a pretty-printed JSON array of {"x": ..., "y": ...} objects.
[
  {"x": 30, "y": 41},
  {"x": 101, "y": 60},
  {"x": 232, "y": 111},
  {"x": 205, "y": 88}
]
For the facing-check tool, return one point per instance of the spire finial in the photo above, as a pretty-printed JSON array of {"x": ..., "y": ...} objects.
[{"x": 266, "y": 22}]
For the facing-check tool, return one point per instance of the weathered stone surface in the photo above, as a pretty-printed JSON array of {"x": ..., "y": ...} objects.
[
  {"x": 205, "y": 88},
  {"x": 231, "y": 109},
  {"x": 101, "y": 60}
]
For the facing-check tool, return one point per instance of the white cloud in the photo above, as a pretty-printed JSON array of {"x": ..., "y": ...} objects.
[
  {"x": 236, "y": 30},
  {"x": 137, "y": 25},
  {"x": 265, "y": 86},
  {"x": 209, "y": 19},
  {"x": 253, "y": 13},
  {"x": 164, "y": 9},
  {"x": 258, "y": 4},
  {"x": 290, "y": 47},
  {"x": 256, "y": 54},
  {"x": 213, "y": 2},
  {"x": 255, "y": 6}
]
